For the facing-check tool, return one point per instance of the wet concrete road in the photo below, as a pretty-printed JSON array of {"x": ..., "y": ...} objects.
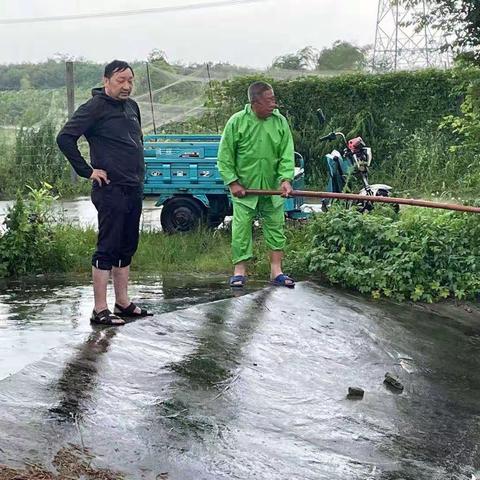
[{"x": 252, "y": 387}]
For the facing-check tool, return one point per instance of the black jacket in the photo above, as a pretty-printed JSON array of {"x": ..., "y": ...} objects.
[{"x": 113, "y": 131}]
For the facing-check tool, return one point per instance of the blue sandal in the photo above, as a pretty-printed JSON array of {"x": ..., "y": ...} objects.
[
  {"x": 283, "y": 281},
  {"x": 237, "y": 281}
]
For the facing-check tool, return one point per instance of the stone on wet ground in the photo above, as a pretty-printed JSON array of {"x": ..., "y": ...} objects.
[
  {"x": 356, "y": 393},
  {"x": 393, "y": 382}
]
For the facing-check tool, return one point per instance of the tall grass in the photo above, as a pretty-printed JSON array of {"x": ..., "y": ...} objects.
[
  {"x": 203, "y": 251},
  {"x": 38, "y": 159},
  {"x": 7, "y": 149},
  {"x": 426, "y": 163},
  {"x": 29, "y": 157},
  {"x": 200, "y": 251}
]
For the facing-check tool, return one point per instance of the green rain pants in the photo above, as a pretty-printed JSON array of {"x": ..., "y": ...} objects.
[{"x": 272, "y": 220}]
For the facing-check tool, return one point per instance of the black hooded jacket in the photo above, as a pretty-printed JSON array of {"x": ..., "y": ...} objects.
[{"x": 113, "y": 131}]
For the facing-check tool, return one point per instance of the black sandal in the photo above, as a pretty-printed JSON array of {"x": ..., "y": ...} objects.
[
  {"x": 106, "y": 317},
  {"x": 130, "y": 311}
]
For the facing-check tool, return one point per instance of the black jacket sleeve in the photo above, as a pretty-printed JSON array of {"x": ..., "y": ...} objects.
[
  {"x": 139, "y": 118},
  {"x": 83, "y": 119}
]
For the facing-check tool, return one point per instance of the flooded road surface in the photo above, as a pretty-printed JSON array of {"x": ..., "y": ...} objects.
[
  {"x": 249, "y": 387},
  {"x": 37, "y": 314},
  {"x": 80, "y": 211}
]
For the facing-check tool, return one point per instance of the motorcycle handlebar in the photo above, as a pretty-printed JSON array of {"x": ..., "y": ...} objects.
[{"x": 330, "y": 136}]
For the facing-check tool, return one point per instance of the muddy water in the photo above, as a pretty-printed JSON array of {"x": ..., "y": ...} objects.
[{"x": 216, "y": 386}]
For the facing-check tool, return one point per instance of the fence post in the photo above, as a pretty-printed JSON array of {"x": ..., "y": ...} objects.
[{"x": 70, "y": 82}]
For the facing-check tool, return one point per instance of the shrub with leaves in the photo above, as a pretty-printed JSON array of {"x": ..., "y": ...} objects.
[
  {"x": 28, "y": 245},
  {"x": 419, "y": 255}
]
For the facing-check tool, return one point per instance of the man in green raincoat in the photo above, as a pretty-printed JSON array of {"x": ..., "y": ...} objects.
[{"x": 256, "y": 152}]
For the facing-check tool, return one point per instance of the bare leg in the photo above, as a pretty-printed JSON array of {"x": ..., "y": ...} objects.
[
  {"x": 120, "y": 284},
  {"x": 240, "y": 268},
  {"x": 100, "y": 281},
  {"x": 276, "y": 257}
]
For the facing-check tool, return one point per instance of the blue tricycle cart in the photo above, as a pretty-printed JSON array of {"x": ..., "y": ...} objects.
[{"x": 181, "y": 172}]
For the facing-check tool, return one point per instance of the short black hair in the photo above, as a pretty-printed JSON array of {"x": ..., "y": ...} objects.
[
  {"x": 116, "y": 66},
  {"x": 257, "y": 89}
]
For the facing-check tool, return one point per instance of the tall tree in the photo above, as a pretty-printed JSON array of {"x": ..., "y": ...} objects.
[
  {"x": 158, "y": 57},
  {"x": 342, "y": 56},
  {"x": 304, "y": 59},
  {"x": 459, "y": 20}
]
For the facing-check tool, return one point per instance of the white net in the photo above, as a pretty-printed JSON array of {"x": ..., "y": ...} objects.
[
  {"x": 178, "y": 97},
  {"x": 174, "y": 97}
]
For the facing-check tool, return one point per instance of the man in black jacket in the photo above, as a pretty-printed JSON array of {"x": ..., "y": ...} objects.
[{"x": 110, "y": 121}]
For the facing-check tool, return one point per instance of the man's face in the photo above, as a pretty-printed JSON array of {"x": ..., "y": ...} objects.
[
  {"x": 119, "y": 85},
  {"x": 265, "y": 104}
]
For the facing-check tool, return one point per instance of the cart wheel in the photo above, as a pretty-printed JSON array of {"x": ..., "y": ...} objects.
[
  {"x": 182, "y": 214},
  {"x": 385, "y": 193}
]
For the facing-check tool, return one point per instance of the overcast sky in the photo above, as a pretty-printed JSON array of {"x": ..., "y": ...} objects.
[{"x": 249, "y": 34}]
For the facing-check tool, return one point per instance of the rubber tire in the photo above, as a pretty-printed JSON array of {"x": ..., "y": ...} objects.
[
  {"x": 385, "y": 193},
  {"x": 182, "y": 214}
]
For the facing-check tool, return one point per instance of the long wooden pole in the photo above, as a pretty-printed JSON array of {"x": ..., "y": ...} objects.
[{"x": 370, "y": 198}]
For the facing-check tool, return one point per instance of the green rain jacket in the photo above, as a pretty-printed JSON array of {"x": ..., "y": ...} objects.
[{"x": 257, "y": 153}]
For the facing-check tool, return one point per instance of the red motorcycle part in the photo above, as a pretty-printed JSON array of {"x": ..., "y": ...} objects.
[{"x": 355, "y": 145}]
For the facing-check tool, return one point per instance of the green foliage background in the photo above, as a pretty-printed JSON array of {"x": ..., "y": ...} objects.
[
  {"x": 399, "y": 115},
  {"x": 421, "y": 125}
]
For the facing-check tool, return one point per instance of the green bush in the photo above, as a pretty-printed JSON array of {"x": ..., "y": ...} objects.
[
  {"x": 28, "y": 245},
  {"x": 419, "y": 255},
  {"x": 34, "y": 239}
]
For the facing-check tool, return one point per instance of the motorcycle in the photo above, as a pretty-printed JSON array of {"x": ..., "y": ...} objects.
[{"x": 352, "y": 162}]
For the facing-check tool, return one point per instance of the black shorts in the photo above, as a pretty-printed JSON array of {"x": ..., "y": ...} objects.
[{"x": 119, "y": 209}]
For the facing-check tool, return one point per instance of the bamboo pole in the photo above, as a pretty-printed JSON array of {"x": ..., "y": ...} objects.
[{"x": 370, "y": 198}]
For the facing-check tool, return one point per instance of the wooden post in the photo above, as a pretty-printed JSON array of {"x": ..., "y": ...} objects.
[
  {"x": 70, "y": 82},
  {"x": 151, "y": 98}
]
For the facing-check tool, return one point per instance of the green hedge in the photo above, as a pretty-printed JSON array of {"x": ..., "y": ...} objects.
[{"x": 397, "y": 114}]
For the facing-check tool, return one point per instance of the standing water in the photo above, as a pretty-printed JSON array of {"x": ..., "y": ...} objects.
[{"x": 81, "y": 212}]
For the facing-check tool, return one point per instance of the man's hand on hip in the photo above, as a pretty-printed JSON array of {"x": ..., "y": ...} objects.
[
  {"x": 286, "y": 188},
  {"x": 237, "y": 190},
  {"x": 99, "y": 176}
]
